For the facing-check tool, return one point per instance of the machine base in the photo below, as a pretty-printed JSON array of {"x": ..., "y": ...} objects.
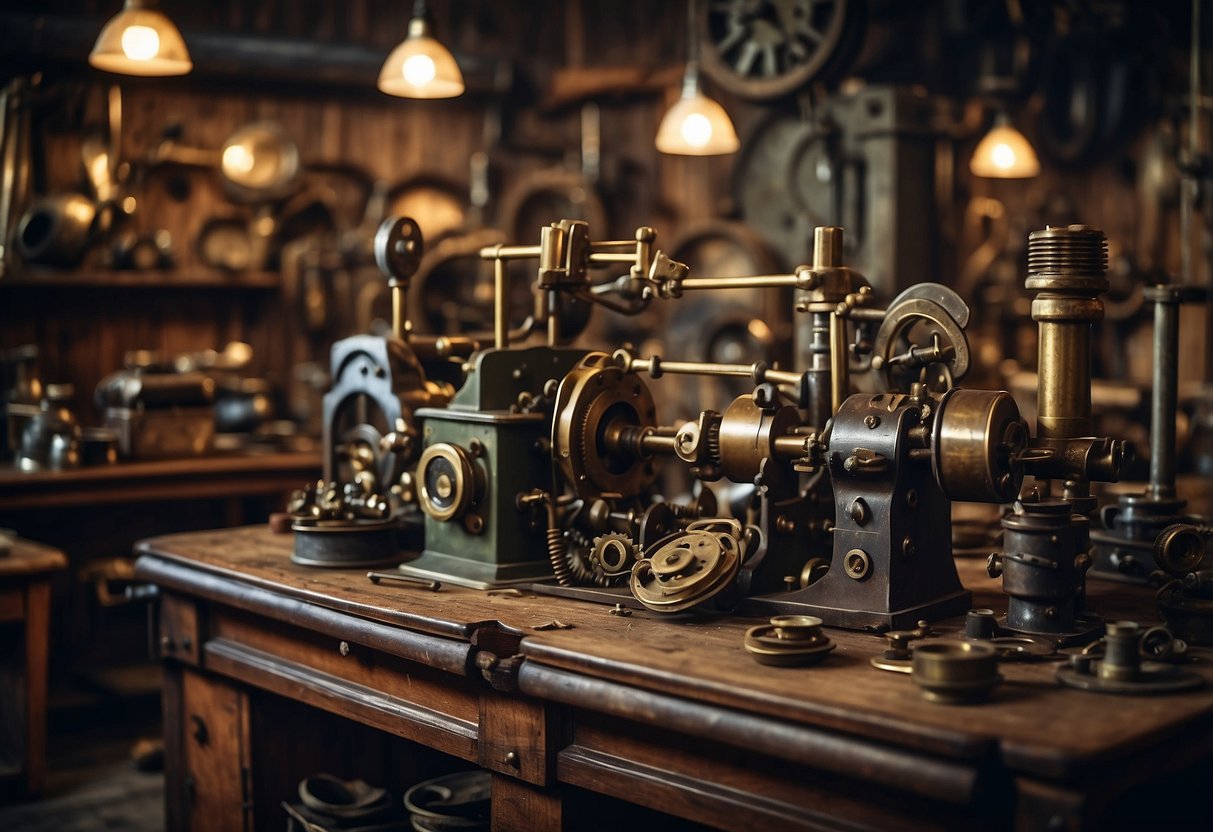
[
  {"x": 474, "y": 574},
  {"x": 804, "y": 602}
]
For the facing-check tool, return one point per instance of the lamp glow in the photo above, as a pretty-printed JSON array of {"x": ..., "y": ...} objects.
[
  {"x": 237, "y": 158},
  {"x": 420, "y": 66},
  {"x": 1004, "y": 153},
  {"x": 141, "y": 40},
  {"x": 419, "y": 70},
  {"x": 696, "y": 126},
  {"x": 140, "y": 43}
]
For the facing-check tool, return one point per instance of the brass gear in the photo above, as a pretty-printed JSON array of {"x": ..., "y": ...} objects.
[
  {"x": 593, "y": 397},
  {"x": 689, "y": 567},
  {"x": 614, "y": 554}
]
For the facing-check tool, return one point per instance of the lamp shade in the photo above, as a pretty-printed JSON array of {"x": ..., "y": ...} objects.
[
  {"x": 1004, "y": 153},
  {"x": 421, "y": 67},
  {"x": 696, "y": 126},
  {"x": 141, "y": 40}
]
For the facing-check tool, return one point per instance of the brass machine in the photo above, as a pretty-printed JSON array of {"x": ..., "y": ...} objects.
[
  {"x": 483, "y": 478},
  {"x": 852, "y": 493},
  {"x": 545, "y": 462},
  {"x": 1046, "y": 541}
]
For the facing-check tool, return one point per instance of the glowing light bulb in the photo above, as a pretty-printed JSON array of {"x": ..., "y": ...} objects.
[
  {"x": 1003, "y": 156},
  {"x": 237, "y": 158},
  {"x": 696, "y": 130},
  {"x": 140, "y": 43},
  {"x": 419, "y": 70}
]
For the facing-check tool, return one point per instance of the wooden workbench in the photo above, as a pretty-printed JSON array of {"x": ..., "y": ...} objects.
[{"x": 668, "y": 714}]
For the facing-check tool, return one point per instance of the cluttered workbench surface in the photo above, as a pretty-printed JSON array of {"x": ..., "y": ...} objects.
[{"x": 686, "y": 683}]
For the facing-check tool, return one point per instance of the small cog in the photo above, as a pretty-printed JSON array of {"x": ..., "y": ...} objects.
[{"x": 614, "y": 554}]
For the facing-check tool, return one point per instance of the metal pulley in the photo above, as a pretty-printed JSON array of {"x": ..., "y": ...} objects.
[
  {"x": 398, "y": 248},
  {"x": 689, "y": 567},
  {"x": 601, "y": 413},
  {"x": 922, "y": 339}
]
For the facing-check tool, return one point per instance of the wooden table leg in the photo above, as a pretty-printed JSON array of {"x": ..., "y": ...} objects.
[
  {"x": 37, "y": 635},
  {"x": 521, "y": 807}
]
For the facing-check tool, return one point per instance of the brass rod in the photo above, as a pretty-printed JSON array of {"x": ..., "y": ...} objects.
[
  {"x": 400, "y": 310},
  {"x": 509, "y": 252},
  {"x": 757, "y": 281},
  {"x": 553, "y": 318},
  {"x": 658, "y": 443},
  {"x": 501, "y": 330},
  {"x": 839, "y": 383},
  {"x": 613, "y": 257},
  {"x": 789, "y": 447}
]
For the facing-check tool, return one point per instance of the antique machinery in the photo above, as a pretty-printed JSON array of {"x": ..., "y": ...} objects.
[
  {"x": 1136, "y": 521},
  {"x": 352, "y": 517},
  {"x": 484, "y": 478},
  {"x": 894, "y": 459},
  {"x": 1045, "y": 548}
]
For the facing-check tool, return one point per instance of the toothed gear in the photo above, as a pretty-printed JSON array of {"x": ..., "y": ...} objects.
[
  {"x": 594, "y": 397},
  {"x": 714, "y": 442},
  {"x": 614, "y": 553}
]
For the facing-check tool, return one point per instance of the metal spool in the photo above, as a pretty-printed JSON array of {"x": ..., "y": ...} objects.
[{"x": 788, "y": 641}]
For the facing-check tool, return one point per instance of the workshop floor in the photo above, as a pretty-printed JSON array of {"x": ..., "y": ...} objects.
[{"x": 92, "y": 783}]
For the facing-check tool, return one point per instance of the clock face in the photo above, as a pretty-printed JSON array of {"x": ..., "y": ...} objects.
[{"x": 764, "y": 49}]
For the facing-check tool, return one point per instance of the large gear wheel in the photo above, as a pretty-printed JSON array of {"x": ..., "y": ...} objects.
[
  {"x": 764, "y": 49},
  {"x": 595, "y": 401}
]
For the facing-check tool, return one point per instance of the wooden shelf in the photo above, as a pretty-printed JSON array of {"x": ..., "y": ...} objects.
[
  {"x": 235, "y": 475},
  {"x": 155, "y": 279}
]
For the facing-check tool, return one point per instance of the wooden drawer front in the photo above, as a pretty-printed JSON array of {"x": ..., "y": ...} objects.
[
  {"x": 402, "y": 697},
  {"x": 704, "y": 781}
]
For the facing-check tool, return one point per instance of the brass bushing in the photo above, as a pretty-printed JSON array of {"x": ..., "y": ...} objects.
[
  {"x": 954, "y": 672},
  {"x": 788, "y": 640}
]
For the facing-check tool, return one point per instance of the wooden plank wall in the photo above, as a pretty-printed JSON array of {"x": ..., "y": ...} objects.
[{"x": 83, "y": 333}]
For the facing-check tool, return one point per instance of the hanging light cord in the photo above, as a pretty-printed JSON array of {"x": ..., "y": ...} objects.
[{"x": 690, "y": 80}]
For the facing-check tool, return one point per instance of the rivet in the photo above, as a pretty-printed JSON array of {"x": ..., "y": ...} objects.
[{"x": 344, "y": 648}]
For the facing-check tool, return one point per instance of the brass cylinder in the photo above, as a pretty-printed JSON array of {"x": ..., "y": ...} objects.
[
  {"x": 827, "y": 247},
  {"x": 1067, "y": 271}
]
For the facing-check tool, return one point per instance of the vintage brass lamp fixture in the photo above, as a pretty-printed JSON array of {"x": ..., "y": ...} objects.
[
  {"x": 420, "y": 66},
  {"x": 696, "y": 125},
  {"x": 141, "y": 40},
  {"x": 1004, "y": 153}
]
